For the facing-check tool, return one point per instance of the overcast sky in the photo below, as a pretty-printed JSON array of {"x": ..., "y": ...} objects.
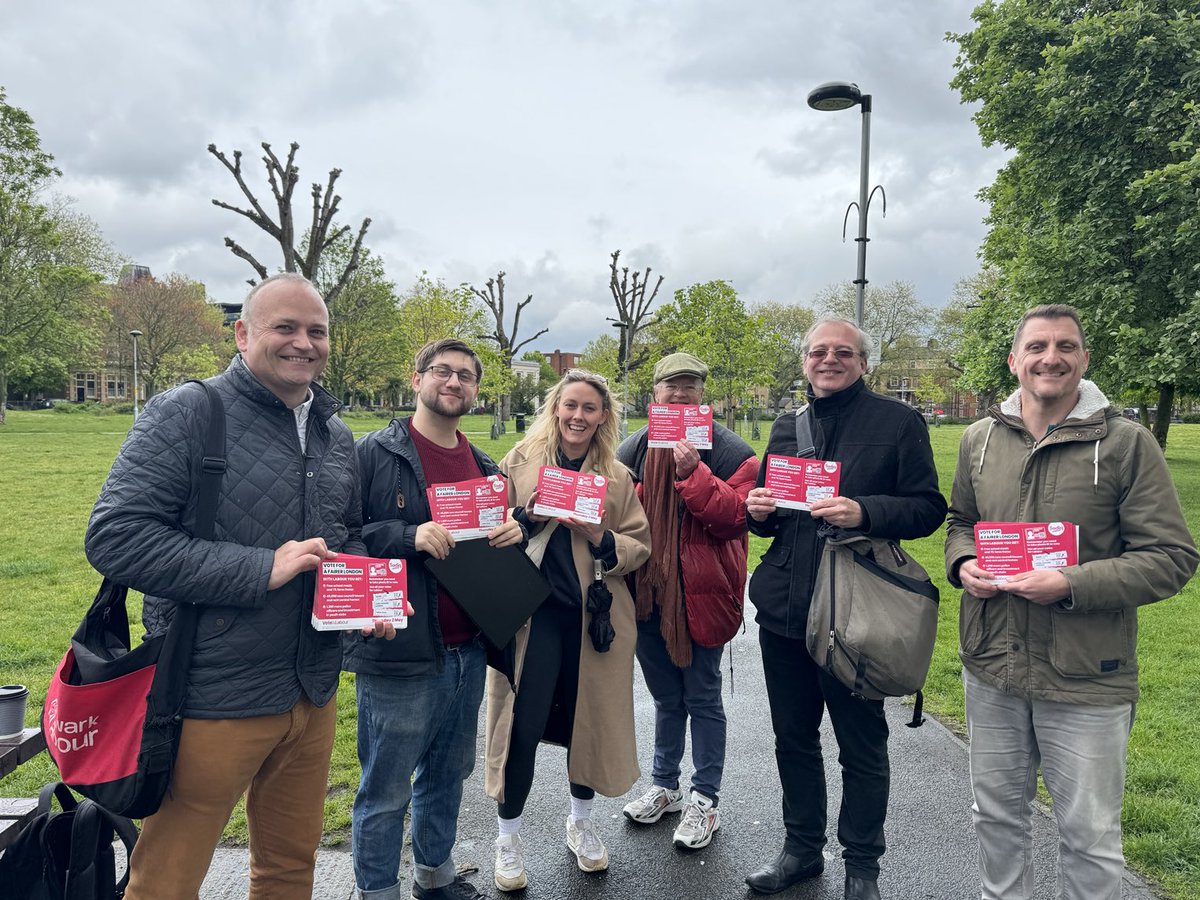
[{"x": 533, "y": 137}]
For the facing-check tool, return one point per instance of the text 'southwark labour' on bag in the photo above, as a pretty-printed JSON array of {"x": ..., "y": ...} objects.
[
  {"x": 874, "y": 614},
  {"x": 113, "y": 713}
]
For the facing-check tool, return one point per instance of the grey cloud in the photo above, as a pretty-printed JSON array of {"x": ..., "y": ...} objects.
[{"x": 155, "y": 90}]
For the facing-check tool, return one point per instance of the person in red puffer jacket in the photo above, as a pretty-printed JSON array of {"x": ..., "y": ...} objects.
[{"x": 689, "y": 598}]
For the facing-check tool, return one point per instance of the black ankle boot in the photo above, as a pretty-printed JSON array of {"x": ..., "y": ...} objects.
[
  {"x": 784, "y": 872},
  {"x": 861, "y": 888}
]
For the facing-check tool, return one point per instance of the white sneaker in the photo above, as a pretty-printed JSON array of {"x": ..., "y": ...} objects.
[
  {"x": 651, "y": 806},
  {"x": 510, "y": 863},
  {"x": 700, "y": 819},
  {"x": 583, "y": 841}
]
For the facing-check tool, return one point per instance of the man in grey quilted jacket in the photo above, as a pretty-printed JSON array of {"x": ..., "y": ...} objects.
[{"x": 260, "y": 708}]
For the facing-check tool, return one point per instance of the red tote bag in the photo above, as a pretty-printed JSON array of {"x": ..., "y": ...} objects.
[{"x": 113, "y": 713}]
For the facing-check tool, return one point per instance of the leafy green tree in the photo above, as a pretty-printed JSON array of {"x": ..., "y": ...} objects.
[
  {"x": 894, "y": 317},
  {"x": 367, "y": 349},
  {"x": 179, "y": 328},
  {"x": 547, "y": 377},
  {"x": 602, "y": 356},
  {"x": 498, "y": 376},
  {"x": 430, "y": 311},
  {"x": 977, "y": 327},
  {"x": 1097, "y": 204},
  {"x": 784, "y": 326},
  {"x": 24, "y": 166},
  {"x": 50, "y": 263},
  {"x": 710, "y": 321},
  {"x": 525, "y": 396}
]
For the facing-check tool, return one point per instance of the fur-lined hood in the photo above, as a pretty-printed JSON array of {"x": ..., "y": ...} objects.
[{"x": 1091, "y": 401}]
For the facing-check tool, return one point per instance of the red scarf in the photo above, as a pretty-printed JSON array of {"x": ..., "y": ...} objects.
[{"x": 659, "y": 581}]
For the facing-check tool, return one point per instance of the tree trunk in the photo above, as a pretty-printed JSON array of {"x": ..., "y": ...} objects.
[
  {"x": 1162, "y": 421},
  {"x": 3, "y": 396}
]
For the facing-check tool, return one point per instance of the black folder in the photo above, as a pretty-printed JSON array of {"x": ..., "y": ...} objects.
[{"x": 498, "y": 587}]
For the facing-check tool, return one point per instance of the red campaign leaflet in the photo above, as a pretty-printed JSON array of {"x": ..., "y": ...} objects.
[
  {"x": 1010, "y": 548},
  {"x": 469, "y": 509},
  {"x": 354, "y": 591},
  {"x": 566, "y": 494},
  {"x": 673, "y": 422},
  {"x": 797, "y": 483}
]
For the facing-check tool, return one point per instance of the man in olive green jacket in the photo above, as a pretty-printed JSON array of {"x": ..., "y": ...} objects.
[{"x": 1049, "y": 656}]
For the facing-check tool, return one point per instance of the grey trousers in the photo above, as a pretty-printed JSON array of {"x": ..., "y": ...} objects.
[{"x": 1081, "y": 751}]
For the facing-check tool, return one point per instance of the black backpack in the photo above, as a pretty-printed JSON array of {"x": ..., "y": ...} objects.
[{"x": 67, "y": 855}]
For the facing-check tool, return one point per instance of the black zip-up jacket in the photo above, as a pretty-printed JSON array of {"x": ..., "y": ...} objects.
[
  {"x": 887, "y": 466},
  {"x": 256, "y": 650},
  {"x": 394, "y": 504}
]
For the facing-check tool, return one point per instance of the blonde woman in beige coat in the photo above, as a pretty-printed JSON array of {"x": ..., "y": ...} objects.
[{"x": 567, "y": 692}]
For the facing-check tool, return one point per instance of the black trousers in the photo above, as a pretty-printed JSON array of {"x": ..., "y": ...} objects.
[
  {"x": 799, "y": 692},
  {"x": 548, "y": 689}
]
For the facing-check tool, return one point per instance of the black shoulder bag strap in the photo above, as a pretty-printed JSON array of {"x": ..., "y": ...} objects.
[
  {"x": 805, "y": 445},
  {"x": 167, "y": 694}
]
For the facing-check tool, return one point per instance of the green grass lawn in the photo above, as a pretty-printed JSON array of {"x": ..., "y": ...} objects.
[{"x": 52, "y": 466}]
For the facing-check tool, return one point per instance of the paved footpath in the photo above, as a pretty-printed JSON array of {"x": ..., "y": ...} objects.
[{"x": 931, "y": 845}]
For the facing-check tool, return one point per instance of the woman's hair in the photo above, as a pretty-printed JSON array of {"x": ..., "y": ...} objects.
[{"x": 542, "y": 440}]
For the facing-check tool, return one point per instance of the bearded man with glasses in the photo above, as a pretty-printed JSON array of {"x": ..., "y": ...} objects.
[
  {"x": 419, "y": 696},
  {"x": 889, "y": 489}
]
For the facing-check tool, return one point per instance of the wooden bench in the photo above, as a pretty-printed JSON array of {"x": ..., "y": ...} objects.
[{"x": 15, "y": 813}]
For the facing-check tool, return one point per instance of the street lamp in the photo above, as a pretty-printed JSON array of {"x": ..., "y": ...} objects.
[
  {"x": 831, "y": 97},
  {"x": 135, "y": 334}
]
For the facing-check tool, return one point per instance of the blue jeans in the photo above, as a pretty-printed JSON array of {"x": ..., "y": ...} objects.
[
  {"x": 416, "y": 740},
  {"x": 1081, "y": 751},
  {"x": 678, "y": 693}
]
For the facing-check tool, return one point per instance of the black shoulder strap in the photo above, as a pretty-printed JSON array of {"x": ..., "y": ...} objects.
[
  {"x": 212, "y": 464},
  {"x": 805, "y": 446},
  {"x": 167, "y": 694}
]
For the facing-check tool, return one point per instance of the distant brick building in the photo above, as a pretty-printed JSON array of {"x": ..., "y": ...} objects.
[{"x": 560, "y": 361}]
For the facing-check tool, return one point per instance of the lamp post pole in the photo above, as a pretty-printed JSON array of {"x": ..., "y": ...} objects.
[
  {"x": 135, "y": 334},
  {"x": 838, "y": 95},
  {"x": 860, "y": 281}
]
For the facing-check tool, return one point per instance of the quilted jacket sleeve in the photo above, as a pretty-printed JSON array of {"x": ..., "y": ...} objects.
[
  {"x": 720, "y": 506},
  {"x": 136, "y": 534}
]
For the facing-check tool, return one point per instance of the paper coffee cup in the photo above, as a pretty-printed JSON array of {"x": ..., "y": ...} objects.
[{"x": 13, "y": 698}]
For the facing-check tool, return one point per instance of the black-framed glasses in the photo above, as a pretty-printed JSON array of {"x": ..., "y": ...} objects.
[
  {"x": 443, "y": 373},
  {"x": 845, "y": 354}
]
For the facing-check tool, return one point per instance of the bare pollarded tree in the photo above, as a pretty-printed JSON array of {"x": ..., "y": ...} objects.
[
  {"x": 301, "y": 252},
  {"x": 633, "y": 308},
  {"x": 492, "y": 296}
]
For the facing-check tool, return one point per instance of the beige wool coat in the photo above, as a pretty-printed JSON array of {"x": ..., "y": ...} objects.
[{"x": 603, "y": 744}]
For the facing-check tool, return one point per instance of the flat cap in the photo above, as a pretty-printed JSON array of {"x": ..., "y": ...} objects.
[{"x": 679, "y": 364}]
